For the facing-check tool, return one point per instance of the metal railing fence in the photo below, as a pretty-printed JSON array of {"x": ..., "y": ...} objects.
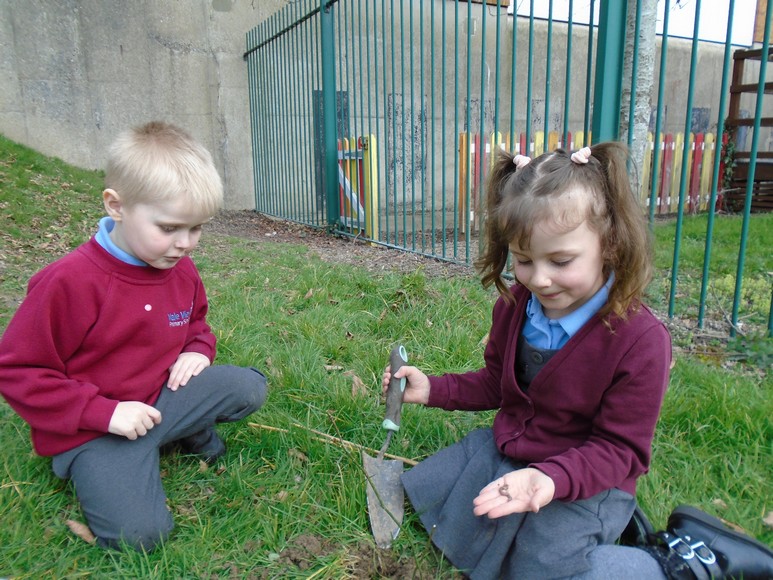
[{"x": 377, "y": 119}]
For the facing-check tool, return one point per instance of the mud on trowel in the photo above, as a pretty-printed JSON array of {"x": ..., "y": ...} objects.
[{"x": 386, "y": 497}]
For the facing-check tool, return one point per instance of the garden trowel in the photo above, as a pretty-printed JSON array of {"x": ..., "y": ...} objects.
[{"x": 386, "y": 499}]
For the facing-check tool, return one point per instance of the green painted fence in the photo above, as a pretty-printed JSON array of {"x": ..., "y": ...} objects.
[{"x": 377, "y": 119}]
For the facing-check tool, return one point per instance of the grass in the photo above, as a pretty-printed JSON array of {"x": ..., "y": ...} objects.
[
  {"x": 757, "y": 278},
  {"x": 283, "y": 503}
]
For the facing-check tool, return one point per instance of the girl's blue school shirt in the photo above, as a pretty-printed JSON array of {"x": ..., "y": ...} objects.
[
  {"x": 106, "y": 225},
  {"x": 543, "y": 332}
]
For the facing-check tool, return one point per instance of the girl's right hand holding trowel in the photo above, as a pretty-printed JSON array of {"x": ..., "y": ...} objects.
[{"x": 416, "y": 383}]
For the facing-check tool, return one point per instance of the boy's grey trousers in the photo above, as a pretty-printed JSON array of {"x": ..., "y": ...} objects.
[{"x": 118, "y": 481}]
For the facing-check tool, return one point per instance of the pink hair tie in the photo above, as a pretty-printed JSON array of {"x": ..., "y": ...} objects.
[
  {"x": 521, "y": 161},
  {"x": 582, "y": 156}
]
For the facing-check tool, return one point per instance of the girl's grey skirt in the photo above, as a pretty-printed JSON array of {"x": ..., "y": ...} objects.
[{"x": 553, "y": 543}]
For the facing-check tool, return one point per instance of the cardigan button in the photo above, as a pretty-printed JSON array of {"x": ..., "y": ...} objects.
[{"x": 536, "y": 357}]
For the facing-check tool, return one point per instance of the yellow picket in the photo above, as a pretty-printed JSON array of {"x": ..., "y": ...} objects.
[
  {"x": 370, "y": 185},
  {"x": 676, "y": 172},
  {"x": 644, "y": 183},
  {"x": 496, "y": 143},
  {"x": 707, "y": 170},
  {"x": 552, "y": 141},
  {"x": 465, "y": 179},
  {"x": 539, "y": 144}
]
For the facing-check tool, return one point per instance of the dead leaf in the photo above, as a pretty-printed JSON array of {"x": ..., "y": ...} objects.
[
  {"x": 768, "y": 520},
  {"x": 282, "y": 495},
  {"x": 734, "y": 527},
  {"x": 309, "y": 294},
  {"x": 358, "y": 387},
  {"x": 298, "y": 455},
  {"x": 719, "y": 504},
  {"x": 203, "y": 466},
  {"x": 186, "y": 510},
  {"x": 428, "y": 322},
  {"x": 333, "y": 368},
  {"x": 82, "y": 531}
]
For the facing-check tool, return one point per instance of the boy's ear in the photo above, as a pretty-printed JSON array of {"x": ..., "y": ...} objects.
[{"x": 113, "y": 204}]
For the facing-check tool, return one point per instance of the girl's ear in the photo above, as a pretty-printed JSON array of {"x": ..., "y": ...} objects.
[{"x": 113, "y": 204}]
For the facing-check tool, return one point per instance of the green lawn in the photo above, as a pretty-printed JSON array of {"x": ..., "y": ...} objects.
[
  {"x": 287, "y": 503},
  {"x": 726, "y": 250}
]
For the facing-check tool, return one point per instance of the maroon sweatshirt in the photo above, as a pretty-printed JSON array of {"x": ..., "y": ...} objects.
[
  {"x": 589, "y": 416},
  {"x": 94, "y": 331}
]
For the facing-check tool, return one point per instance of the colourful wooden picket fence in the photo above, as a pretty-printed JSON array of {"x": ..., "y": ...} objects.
[
  {"x": 699, "y": 166},
  {"x": 358, "y": 185},
  {"x": 476, "y": 159}
]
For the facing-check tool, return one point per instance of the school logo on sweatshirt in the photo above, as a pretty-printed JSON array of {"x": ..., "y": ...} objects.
[{"x": 180, "y": 318}]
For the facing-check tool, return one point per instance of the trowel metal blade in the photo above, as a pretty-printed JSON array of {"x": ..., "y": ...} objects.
[{"x": 386, "y": 497}]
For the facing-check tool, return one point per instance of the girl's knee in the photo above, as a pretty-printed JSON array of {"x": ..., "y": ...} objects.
[{"x": 142, "y": 536}]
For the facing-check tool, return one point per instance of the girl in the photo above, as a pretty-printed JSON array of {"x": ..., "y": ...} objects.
[{"x": 575, "y": 363}]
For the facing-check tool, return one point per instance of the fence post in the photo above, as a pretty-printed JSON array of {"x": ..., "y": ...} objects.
[
  {"x": 330, "y": 166},
  {"x": 609, "y": 71}
]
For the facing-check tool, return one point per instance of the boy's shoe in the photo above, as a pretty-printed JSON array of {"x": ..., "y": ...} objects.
[
  {"x": 723, "y": 552},
  {"x": 207, "y": 444}
]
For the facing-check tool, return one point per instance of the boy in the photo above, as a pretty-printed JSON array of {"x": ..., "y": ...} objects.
[{"x": 108, "y": 357}]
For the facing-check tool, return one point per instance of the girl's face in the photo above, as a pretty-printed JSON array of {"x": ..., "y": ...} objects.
[
  {"x": 564, "y": 269},
  {"x": 158, "y": 234}
]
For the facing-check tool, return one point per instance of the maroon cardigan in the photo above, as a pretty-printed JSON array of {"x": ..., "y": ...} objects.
[{"x": 589, "y": 417}]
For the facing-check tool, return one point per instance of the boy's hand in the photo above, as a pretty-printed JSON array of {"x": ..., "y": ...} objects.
[
  {"x": 416, "y": 384},
  {"x": 132, "y": 419},
  {"x": 187, "y": 365},
  {"x": 523, "y": 490}
]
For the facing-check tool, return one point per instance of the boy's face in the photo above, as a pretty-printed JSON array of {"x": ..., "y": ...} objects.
[
  {"x": 564, "y": 269},
  {"x": 158, "y": 234}
]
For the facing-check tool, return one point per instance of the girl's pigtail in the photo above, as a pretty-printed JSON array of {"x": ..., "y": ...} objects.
[
  {"x": 628, "y": 247},
  {"x": 493, "y": 261}
]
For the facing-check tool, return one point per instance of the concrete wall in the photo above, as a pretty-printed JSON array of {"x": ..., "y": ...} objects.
[{"x": 74, "y": 73}]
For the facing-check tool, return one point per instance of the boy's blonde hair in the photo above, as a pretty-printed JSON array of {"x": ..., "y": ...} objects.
[
  {"x": 159, "y": 162},
  {"x": 517, "y": 199}
]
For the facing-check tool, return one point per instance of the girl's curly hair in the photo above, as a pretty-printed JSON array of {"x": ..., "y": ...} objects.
[{"x": 519, "y": 198}]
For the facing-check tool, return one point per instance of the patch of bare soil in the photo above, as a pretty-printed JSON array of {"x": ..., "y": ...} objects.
[
  {"x": 363, "y": 561},
  {"x": 330, "y": 248}
]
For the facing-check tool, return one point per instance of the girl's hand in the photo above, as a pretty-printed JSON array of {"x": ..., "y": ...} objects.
[
  {"x": 523, "y": 490},
  {"x": 187, "y": 365},
  {"x": 416, "y": 384},
  {"x": 132, "y": 419}
]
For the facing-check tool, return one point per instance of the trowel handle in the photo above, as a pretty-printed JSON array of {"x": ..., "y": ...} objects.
[{"x": 394, "y": 395}]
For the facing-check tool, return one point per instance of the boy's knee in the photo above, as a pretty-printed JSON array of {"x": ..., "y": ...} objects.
[
  {"x": 259, "y": 392},
  {"x": 251, "y": 385}
]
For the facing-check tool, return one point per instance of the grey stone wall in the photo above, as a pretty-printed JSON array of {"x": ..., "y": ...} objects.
[{"x": 74, "y": 73}]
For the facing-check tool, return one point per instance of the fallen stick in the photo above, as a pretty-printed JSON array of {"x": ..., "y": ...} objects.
[{"x": 324, "y": 437}]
